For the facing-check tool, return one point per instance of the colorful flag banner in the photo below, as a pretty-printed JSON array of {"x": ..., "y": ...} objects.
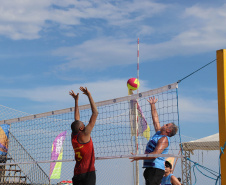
[
  {"x": 57, "y": 154},
  {"x": 4, "y": 135},
  {"x": 143, "y": 127}
]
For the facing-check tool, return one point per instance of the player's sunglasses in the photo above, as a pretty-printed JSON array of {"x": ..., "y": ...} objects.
[{"x": 167, "y": 166}]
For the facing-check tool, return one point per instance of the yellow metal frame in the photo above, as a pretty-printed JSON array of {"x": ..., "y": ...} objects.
[{"x": 221, "y": 86}]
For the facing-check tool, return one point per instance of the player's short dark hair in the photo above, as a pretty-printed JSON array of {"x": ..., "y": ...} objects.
[
  {"x": 179, "y": 179},
  {"x": 174, "y": 130},
  {"x": 75, "y": 126}
]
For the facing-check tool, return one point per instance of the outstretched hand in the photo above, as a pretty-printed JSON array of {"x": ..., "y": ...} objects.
[
  {"x": 85, "y": 90},
  {"x": 134, "y": 158},
  {"x": 152, "y": 100},
  {"x": 75, "y": 96}
]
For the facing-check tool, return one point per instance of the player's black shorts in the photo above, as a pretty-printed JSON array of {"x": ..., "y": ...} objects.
[
  {"x": 88, "y": 178},
  {"x": 153, "y": 176}
]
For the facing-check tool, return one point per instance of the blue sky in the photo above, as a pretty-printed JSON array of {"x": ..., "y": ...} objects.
[{"x": 49, "y": 47}]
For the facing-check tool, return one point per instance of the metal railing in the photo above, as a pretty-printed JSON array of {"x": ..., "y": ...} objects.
[{"x": 32, "y": 171}]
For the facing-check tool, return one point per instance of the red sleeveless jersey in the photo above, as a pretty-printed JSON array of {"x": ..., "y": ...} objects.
[{"x": 84, "y": 155}]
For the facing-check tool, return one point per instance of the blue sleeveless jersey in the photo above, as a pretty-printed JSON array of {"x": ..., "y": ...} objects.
[
  {"x": 166, "y": 180},
  {"x": 152, "y": 143}
]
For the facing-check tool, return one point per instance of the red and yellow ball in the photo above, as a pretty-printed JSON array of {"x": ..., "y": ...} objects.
[{"x": 133, "y": 84}]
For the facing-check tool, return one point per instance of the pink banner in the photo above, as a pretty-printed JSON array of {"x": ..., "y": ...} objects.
[{"x": 56, "y": 149}]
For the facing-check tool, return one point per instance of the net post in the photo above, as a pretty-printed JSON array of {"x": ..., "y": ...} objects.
[
  {"x": 136, "y": 140},
  {"x": 221, "y": 86},
  {"x": 137, "y": 162},
  {"x": 138, "y": 56}
]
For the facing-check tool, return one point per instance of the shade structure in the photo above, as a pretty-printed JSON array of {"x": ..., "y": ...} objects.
[{"x": 207, "y": 143}]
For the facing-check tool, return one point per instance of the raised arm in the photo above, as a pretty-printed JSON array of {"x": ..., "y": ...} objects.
[
  {"x": 154, "y": 113},
  {"x": 76, "y": 114},
  {"x": 94, "y": 115}
]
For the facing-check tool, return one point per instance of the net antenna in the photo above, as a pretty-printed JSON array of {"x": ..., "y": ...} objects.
[{"x": 134, "y": 105}]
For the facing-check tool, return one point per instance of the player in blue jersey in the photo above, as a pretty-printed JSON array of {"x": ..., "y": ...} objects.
[
  {"x": 158, "y": 144},
  {"x": 169, "y": 178}
]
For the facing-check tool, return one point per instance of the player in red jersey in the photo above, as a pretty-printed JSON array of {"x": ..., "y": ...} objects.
[{"x": 84, "y": 171}]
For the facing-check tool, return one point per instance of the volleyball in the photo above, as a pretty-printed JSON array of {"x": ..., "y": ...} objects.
[{"x": 133, "y": 84}]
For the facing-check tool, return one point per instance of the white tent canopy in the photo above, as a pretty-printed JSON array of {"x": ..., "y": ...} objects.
[{"x": 206, "y": 143}]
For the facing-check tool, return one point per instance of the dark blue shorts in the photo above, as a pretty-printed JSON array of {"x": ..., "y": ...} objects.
[{"x": 88, "y": 178}]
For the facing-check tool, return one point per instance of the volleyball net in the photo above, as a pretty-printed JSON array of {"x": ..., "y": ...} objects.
[{"x": 124, "y": 126}]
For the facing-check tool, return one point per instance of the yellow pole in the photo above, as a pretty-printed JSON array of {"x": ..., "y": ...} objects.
[{"x": 221, "y": 86}]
